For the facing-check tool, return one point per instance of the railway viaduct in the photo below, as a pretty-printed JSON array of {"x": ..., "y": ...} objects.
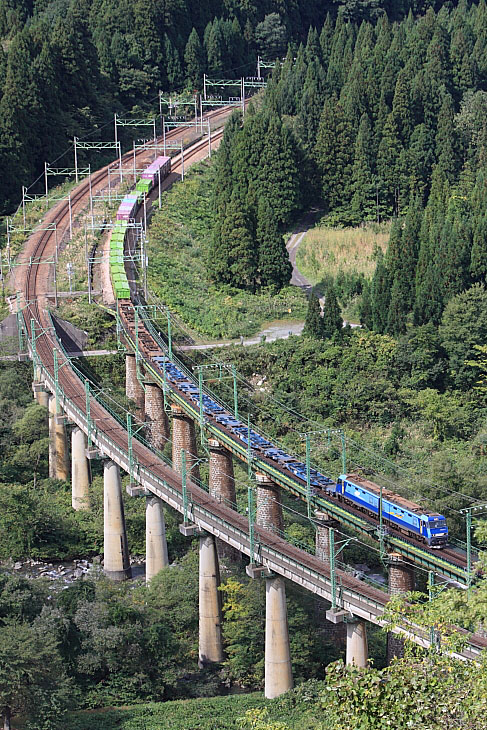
[{"x": 208, "y": 514}]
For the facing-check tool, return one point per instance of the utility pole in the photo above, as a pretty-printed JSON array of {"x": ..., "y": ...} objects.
[
  {"x": 75, "y": 140},
  {"x": 70, "y": 217},
  {"x": 204, "y": 85},
  {"x": 468, "y": 519},
  {"x": 47, "y": 189},
  {"x": 88, "y": 265},
  {"x": 91, "y": 198},
  {"x": 24, "y": 190}
]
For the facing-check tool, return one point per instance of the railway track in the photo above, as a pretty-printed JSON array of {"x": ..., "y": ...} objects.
[
  {"x": 359, "y": 597},
  {"x": 41, "y": 246}
]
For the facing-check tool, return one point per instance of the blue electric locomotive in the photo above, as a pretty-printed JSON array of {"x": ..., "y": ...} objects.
[{"x": 409, "y": 517}]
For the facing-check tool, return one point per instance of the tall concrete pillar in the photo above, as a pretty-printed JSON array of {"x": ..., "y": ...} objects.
[
  {"x": 210, "y": 612},
  {"x": 80, "y": 471},
  {"x": 269, "y": 508},
  {"x": 357, "y": 647},
  {"x": 158, "y": 429},
  {"x": 278, "y": 672},
  {"x": 52, "y": 436},
  {"x": 133, "y": 388},
  {"x": 330, "y": 632},
  {"x": 222, "y": 487},
  {"x": 116, "y": 560},
  {"x": 58, "y": 447},
  {"x": 184, "y": 437},
  {"x": 401, "y": 580},
  {"x": 155, "y": 538},
  {"x": 42, "y": 397}
]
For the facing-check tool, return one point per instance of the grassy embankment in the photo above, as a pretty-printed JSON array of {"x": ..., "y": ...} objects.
[
  {"x": 299, "y": 709},
  {"x": 345, "y": 254},
  {"x": 178, "y": 241}
]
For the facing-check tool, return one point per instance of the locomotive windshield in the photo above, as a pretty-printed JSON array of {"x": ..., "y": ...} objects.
[{"x": 437, "y": 523}]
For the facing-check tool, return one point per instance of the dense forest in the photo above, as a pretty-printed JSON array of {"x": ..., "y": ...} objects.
[
  {"x": 66, "y": 66},
  {"x": 373, "y": 122}
]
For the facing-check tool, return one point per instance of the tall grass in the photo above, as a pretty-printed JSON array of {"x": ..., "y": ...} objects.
[{"x": 326, "y": 251}]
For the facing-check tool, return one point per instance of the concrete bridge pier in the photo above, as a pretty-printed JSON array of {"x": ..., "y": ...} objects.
[
  {"x": 155, "y": 538},
  {"x": 222, "y": 487},
  {"x": 184, "y": 437},
  {"x": 42, "y": 397},
  {"x": 133, "y": 388},
  {"x": 269, "y": 507},
  {"x": 278, "y": 671},
  {"x": 401, "y": 580},
  {"x": 357, "y": 647},
  {"x": 334, "y": 633},
  {"x": 58, "y": 447},
  {"x": 322, "y": 538},
  {"x": 116, "y": 560},
  {"x": 80, "y": 471},
  {"x": 210, "y": 611},
  {"x": 158, "y": 428}
]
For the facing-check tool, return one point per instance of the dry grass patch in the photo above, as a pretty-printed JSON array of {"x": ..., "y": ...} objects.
[{"x": 326, "y": 251}]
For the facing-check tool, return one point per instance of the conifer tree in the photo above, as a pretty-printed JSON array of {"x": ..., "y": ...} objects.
[
  {"x": 380, "y": 295},
  {"x": 193, "y": 59},
  {"x": 326, "y": 37},
  {"x": 401, "y": 107},
  {"x": 332, "y": 317},
  {"x": 396, "y": 315},
  {"x": 313, "y": 325},
  {"x": 276, "y": 171},
  {"x": 311, "y": 106},
  {"x": 447, "y": 138},
  {"x": 224, "y": 178},
  {"x": 233, "y": 258},
  {"x": 420, "y": 161},
  {"x": 478, "y": 257},
  {"x": 334, "y": 153},
  {"x": 388, "y": 168},
  {"x": 363, "y": 183},
  {"x": 174, "y": 70},
  {"x": 215, "y": 48},
  {"x": 365, "y": 307},
  {"x": 275, "y": 268}
]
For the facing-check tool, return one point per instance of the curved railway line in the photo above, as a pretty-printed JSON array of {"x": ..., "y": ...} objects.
[{"x": 110, "y": 437}]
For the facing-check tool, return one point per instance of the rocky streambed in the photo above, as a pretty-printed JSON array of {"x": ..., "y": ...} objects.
[{"x": 64, "y": 573}]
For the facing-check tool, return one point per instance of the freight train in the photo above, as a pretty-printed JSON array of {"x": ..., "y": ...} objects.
[
  {"x": 157, "y": 171},
  {"x": 405, "y": 516},
  {"x": 397, "y": 513}
]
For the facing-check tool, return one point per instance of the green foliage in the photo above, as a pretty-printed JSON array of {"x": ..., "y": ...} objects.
[
  {"x": 463, "y": 326},
  {"x": 313, "y": 326},
  {"x": 433, "y": 690},
  {"x": 181, "y": 243},
  {"x": 221, "y": 712},
  {"x": 32, "y": 677},
  {"x": 256, "y": 192},
  {"x": 332, "y": 319},
  {"x": 271, "y": 37}
]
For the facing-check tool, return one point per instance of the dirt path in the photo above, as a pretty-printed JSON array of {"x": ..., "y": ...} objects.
[{"x": 307, "y": 222}]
